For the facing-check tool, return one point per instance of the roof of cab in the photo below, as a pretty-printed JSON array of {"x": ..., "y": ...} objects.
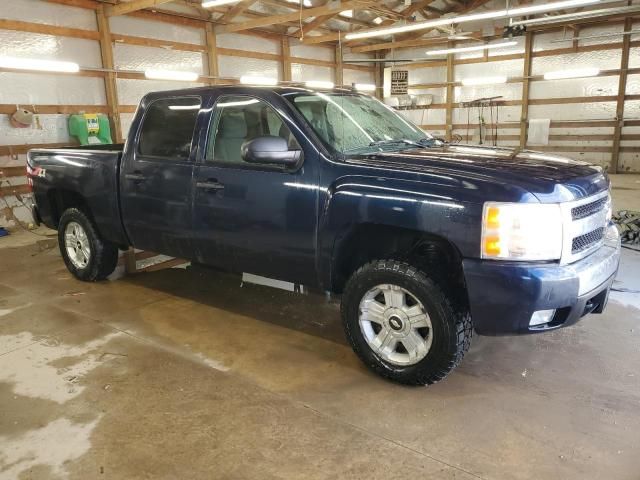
[{"x": 279, "y": 89}]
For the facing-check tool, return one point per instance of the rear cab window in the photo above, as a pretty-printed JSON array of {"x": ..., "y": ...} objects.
[{"x": 167, "y": 128}]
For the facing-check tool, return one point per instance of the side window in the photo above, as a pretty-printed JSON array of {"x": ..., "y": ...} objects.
[
  {"x": 239, "y": 119},
  {"x": 167, "y": 128}
]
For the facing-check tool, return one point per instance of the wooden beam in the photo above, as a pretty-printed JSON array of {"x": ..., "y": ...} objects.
[
  {"x": 48, "y": 29},
  {"x": 22, "y": 149},
  {"x": 236, "y": 10},
  {"x": 154, "y": 42},
  {"x": 212, "y": 53},
  {"x": 110, "y": 84},
  {"x": 379, "y": 76},
  {"x": 9, "y": 172},
  {"x": 449, "y": 98},
  {"x": 14, "y": 189},
  {"x": 289, "y": 17},
  {"x": 339, "y": 71},
  {"x": 285, "y": 50},
  {"x": 127, "y": 7},
  {"x": 10, "y": 108},
  {"x": 526, "y": 74},
  {"x": 313, "y": 24},
  {"x": 622, "y": 89}
]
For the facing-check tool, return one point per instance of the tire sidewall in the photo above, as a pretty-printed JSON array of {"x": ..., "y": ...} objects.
[
  {"x": 74, "y": 215},
  {"x": 443, "y": 346}
]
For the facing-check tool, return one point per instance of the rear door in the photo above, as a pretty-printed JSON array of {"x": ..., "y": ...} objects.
[
  {"x": 156, "y": 177},
  {"x": 255, "y": 218}
]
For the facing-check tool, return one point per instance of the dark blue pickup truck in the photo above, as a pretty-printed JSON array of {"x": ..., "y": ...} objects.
[{"x": 426, "y": 241}]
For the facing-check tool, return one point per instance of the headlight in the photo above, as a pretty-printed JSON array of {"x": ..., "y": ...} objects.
[{"x": 521, "y": 231}]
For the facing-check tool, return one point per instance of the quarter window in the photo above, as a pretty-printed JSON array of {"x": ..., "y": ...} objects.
[{"x": 167, "y": 128}]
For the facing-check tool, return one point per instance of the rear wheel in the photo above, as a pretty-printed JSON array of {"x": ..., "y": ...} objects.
[
  {"x": 87, "y": 256},
  {"x": 401, "y": 324}
]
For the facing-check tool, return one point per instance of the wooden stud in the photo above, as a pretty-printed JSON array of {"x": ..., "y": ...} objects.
[
  {"x": 129, "y": 256},
  {"x": 212, "y": 53},
  {"x": 339, "y": 70},
  {"x": 622, "y": 89},
  {"x": 110, "y": 83},
  {"x": 526, "y": 74},
  {"x": 379, "y": 76},
  {"x": 450, "y": 93},
  {"x": 285, "y": 49}
]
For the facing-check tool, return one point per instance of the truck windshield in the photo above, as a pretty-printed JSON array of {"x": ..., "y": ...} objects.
[{"x": 357, "y": 124}]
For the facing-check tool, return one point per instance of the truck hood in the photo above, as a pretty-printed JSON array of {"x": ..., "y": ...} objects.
[{"x": 550, "y": 178}]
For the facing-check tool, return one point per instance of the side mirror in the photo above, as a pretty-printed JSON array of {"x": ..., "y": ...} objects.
[{"x": 269, "y": 150}]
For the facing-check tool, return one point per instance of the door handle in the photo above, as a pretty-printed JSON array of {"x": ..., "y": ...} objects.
[
  {"x": 211, "y": 184},
  {"x": 136, "y": 177}
]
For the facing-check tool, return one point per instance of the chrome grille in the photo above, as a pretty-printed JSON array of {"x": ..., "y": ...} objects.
[
  {"x": 584, "y": 226},
  {"x": 582, "y": 242},
  {"x": 588, "y": 209}
]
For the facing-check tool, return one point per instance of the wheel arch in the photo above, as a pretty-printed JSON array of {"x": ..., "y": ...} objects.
[{"x": 435, "y": 255}]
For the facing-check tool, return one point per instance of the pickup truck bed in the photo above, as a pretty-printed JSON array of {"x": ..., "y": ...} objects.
[{"x": 86, "y": 173}]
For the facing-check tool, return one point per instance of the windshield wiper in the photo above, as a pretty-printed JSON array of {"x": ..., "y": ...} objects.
[{"x": 423, "y": 143}]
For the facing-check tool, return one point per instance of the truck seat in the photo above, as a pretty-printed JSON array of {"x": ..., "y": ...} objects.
[{"x": 231, "y": 135}]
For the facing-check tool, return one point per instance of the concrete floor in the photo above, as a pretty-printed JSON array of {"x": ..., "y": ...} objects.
[{"x": 182, "y": 374}]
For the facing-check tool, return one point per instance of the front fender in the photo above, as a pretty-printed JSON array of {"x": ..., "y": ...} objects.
[{"x": 411, "y": 205}]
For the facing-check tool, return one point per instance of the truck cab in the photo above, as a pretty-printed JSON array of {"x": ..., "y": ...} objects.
[{"x": 426, "y": 241}]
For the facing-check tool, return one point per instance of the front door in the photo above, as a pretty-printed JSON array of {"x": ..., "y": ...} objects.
[
  {"x": 253, "y": 218},
  {"x": 156, "y": 178}
]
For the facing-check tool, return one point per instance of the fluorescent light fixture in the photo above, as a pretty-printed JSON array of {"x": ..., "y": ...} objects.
[
  {"x": 306, "y": 3},
  {"x": 319, "y": 84},
  {"x": 365, "y": 87},
  {"x": 217, "y": 3},
  {"x": 488, "y": 46},
  {"x": 471, "y": 82},
  {"x": 378, "y": 20},
  {"x": 257, "y": 80},
  {"x": 346, "y": 13},
  {"x": 472, "y": 17},
  {"x": 171, "y": 75},
  {"x": 36, "y": 64},
  {"x": 577, "y": 73}
]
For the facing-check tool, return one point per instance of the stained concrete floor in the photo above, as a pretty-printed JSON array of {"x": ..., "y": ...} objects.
[{"x": 183, "y": 374}]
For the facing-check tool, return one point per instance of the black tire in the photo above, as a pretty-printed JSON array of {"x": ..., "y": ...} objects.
[
  {"x": 451, "y": 324},
  {"x": 103, "y": 257}
]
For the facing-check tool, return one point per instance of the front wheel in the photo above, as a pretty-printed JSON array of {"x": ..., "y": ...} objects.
[
  {"x": 402, "y": 326},
  {"x": 87, "y": 256}
]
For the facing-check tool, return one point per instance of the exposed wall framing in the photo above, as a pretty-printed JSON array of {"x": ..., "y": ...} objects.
[
  {"x": 106, "y": 39},
  {"x": 605, "y": 139}
]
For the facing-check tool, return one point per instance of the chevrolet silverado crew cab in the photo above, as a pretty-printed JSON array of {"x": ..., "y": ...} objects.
[{"x": 425, "y": 240}]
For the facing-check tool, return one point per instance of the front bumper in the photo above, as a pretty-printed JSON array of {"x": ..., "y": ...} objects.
[{"x": 504, "y": 295}]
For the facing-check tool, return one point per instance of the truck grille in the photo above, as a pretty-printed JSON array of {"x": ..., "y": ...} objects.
[
  {"x": 583, "y": 242},
  {"x": 585, "y": 226},
  {"x": 588, "y": 209}
]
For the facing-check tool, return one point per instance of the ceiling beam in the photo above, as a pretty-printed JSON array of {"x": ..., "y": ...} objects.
[
  {"x": 128, "y": 7},
  {"x": 333, "y": 7},
  {"x": 236, "y": 10}
]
